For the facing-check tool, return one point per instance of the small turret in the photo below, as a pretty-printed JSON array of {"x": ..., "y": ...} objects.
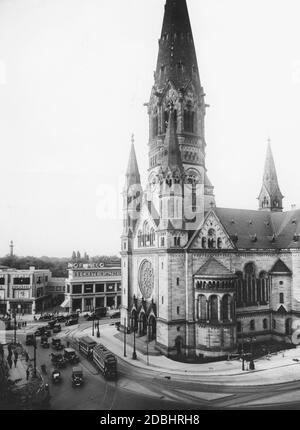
[{"x": 270, "y": 198}]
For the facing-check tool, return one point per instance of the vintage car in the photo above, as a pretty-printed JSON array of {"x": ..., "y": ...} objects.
[
  {"x": 71, "y": 356},
  {"x": 51, "y": 324},
  {"x": 44, "y": 341},
  {"x": 58, "y": 360},
  {"x": 56, "y": 344},
  {"x": 72, "y": 321},
  {"x": 56, "y": 328},
  {"x": 40, "y": 331},
  {"x": 56, "y": 376},
  {"x": 77, "y": 376}
]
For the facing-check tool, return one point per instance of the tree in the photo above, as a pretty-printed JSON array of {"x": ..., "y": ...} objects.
[
  {"x": 74, "y": 256},
  {"x": 78, "y": 256}
]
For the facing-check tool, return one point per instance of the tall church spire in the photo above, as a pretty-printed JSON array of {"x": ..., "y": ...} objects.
[
  {"x": 177, "y": 59},
  {"x": 132, "y": 174},
  {"x": 270, "y": 197}
]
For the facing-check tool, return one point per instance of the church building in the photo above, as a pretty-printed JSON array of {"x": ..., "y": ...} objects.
[{"x": 197, "y": 278}]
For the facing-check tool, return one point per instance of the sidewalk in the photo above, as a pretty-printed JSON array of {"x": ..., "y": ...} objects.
[{"x": 223, "y": 373}]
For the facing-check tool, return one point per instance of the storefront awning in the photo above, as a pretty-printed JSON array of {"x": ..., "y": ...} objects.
[{"x": 66, "y": 304}]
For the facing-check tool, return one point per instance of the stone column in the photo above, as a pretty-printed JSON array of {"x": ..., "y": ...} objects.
[
  {"x": 33, "y": 307},
  {"x": 219, "y": 308},
  {"x": 207, "y": 311}
]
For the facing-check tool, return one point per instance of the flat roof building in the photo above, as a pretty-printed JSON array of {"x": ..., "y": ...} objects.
[{"x": 91, "y": 286}]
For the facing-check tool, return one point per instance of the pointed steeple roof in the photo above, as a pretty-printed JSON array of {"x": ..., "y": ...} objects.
[
  {"x": 270, "y": 196},
  {"x": 132, "y": 174},
  {"x": 172, "y": 156},
  {"x": 177, "y": 60}
]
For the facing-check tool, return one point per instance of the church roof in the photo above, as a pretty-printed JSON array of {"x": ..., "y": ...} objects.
[
  {"x": 177, "y": 61},
  {"x": 252, "y": 229},
  {"x": 213, "y": 268},
  {"x": 280, "y": 267}
]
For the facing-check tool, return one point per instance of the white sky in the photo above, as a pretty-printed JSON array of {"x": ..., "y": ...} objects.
[{"x": 74, "y": 75}]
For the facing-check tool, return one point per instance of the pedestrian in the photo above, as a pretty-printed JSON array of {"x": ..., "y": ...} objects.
[
  {"x": 26, "y": 357},
  {"x": 25, "y": 323},
  {"x": 16, "y": 354},
  {"x": 27, "y": 374},
  {"x": 9, "y": 347}
]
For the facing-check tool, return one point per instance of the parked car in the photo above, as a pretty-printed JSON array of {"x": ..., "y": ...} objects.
[
  {"x": 60, "y": 318},
  {"x": 56, "y": 344},
  {"x": 40, "y": 331},
  {"x": 71, "y": 321},
  {"x": 51, "y": 324},
  {"x": 58, "y": 360},
  {"x": 57, "y": 328},
  {"x": 44, "y": 342}
]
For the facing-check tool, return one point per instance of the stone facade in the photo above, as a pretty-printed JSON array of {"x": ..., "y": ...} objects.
[{"x": 198, "y": 278}]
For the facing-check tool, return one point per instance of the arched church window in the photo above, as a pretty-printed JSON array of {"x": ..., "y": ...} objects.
[
  {"x": 252, "y": 325},
  {"x": 265, "y": 324},
  {"x": 202, "y": 308},
  {"x": 219, "y": 243},
  {"x": 213, "y": 300},
  {"x": 226, "y": 303},
  {"x": 263, "y": 288},
  {"x": 203, "y": 242},
  {"x": 146, "y": 234},
  {"x": 288, "y": 327},
  {"x": 152, "y": 237},
  {"x": 211, "y": 240},
  {"x": 139, "y": 239},
  {"x": 155, "y": 126},
  {"x": 188, "y": 119},
  {"x": 250, "y": 284}
]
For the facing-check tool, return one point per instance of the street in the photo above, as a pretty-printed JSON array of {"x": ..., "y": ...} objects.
[{"x": 143, "y": 389}]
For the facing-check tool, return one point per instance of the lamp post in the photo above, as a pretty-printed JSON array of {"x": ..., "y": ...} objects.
[
  {"x": 243, "y": 355},
  {"x": 98, "y": 331},
  {"x": 124, "y": 337},
  {"x": 252, "y": 366},
  {"x": 34, "y": 358},
  {"x": 93, "y": 332},
  {"x": 148, "y": 329},
  {"x": 15, "y": 327},
  {"x": 134, "y": 356}
]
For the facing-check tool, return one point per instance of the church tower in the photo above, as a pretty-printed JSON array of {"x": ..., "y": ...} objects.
[
  {"x": 132, "y": 199},
  {"x": 176, "y": 116},
  {"x": 270, "y": 198}
]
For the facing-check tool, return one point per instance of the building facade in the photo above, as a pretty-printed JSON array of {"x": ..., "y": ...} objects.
[
  {"x": 91, "y": 286},
  {"x": 196, "y": 278},
  {"x": 23, "y": 291}
]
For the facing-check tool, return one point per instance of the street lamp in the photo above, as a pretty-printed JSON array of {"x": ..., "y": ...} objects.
[
  {"x": 133, "y": 324},
  {"x": 34, "y": 358},
  {"x": 15, "y": 327},
  {"x": 98, "y": 331},
  {"x": 93, "y": 332},
  {"x": 124, "y": 337},
  {"x": 148, "y": 332},
  {"x": 243, "y": 354},
  {"x": 252, "y": 366}
]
